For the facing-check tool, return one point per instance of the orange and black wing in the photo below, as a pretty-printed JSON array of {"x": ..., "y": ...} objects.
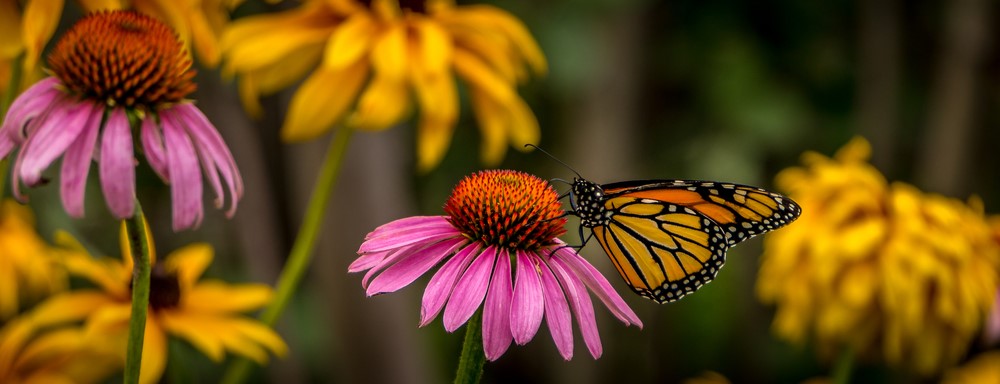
[
  {"x": 742, "y": 211},
  {"x": 664, "y": 251}
]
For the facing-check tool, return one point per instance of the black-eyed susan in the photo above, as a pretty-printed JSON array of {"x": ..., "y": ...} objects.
[
  {"x": 118, "y": 75},
  {"x": 882, "y": 270},
  {"x": 207, "y": 313},
  {"x": 367, "y": 63},
  {"x": 984, "y": 368},
  {"x": 31, "y": 352},
  {"x": 29, "y": 269},
  {"x": 494, "y": 219}
]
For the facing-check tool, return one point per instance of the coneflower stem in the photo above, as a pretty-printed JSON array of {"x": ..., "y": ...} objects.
[
  {"x": 470, "y": 363},
  {"x": 139, "y": 243},
  {"x": 302, "y": 249},
  {"x": 842, "y": 370}
]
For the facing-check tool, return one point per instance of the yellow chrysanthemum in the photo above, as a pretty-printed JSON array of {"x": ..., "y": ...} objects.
[
  {"x": 985, "y": 368},
  {"x": 31, "y": 354},
  {"x": 205, "y": 313},
  {"x": 885, "y": 270},
  {"x": 368, "y": 62},
  {"x": 28, "y": 266}
]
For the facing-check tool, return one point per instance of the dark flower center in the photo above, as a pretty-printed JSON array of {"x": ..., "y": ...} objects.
[
  {"x": 164, "y": 289},
  {"x": 123, "y": 58},
  {"x": 510, "y": 209}
]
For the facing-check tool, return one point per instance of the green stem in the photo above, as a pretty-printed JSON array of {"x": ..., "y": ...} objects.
[
  {"x": 844, "y": 366},
  {"x": 136, "y": 227},
  {"x": 5, "y": 101},
  {"x": 302, "y": 249},
  {"x": 470, "y": 364}
]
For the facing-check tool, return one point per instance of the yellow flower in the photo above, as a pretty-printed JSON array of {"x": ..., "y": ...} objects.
[
  {"x": 31, "y": 354},
  {"x": 368, "y": 62},
  {"x": 887, "y": 271},
  {"x": 205, "y": 313},
  {"x": 28, "y": 266},
  {"x": 985, "y": 368},
  {"x": 26, "y": 26}
]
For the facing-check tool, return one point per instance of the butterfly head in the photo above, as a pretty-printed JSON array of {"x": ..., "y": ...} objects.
[{"x": 588, "y": 201}]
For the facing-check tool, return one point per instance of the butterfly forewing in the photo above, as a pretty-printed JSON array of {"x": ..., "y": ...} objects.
[
  {"x": 743, "y": 211},
  {"x": 663, "y": 251}
]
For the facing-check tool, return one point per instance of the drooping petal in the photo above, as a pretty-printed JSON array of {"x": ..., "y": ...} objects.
[
  {"x": 479, "y": 76},
  {"x": 262, "y": 335},
  {"x": 201, "y": 335},
  {"x": 217, "y": 156},
  {"x": 528, "y": 303},
  {"x": 383, "y": 103},
  {"x": 523, "y": 124},
  {"x": 351, "y": 40},
  {"x": 76, "y": 167},
  {"x": 407, "y": 270},
  {"x": 401, "y": 238},
  {"x": 32, "y": 103},
  {"x": 61, "y": 127},
  {"x": 399, "y": 254},
  {"x": 388, "y": 55},
  {"x": 496, "y": 311},
  {"x": 68, "y": 307},
  {"x": 10, "y": 27},
  {"x": 507, "y": 25},
  {"x": 307, "y": 118},
  {"x": 493, "y": 122},
  {"x": 557, "y": 312},
  {"x": 117, "y": 165},
  {"x": 583, "y": 308},
  {"x": 397, "y": 227},
  {"x": 40, "y": 20},
  {"x": 258, "y": 41},
  {"x": 185, "y": 177},
  {"x": 154, "y": 352},
  {"x": 470, "y": 290},
  {"x": 440, "y": 287},
  {"x": 598, "y": 284},
  {"x": 154, "y": 149}
]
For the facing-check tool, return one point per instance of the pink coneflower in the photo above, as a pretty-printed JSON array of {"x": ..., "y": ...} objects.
[
  {"x": 114, "y": 73},
  {"x": 494, "y": 218}
]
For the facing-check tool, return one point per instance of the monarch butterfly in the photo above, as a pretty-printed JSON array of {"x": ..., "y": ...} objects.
[{"x": 667, "y": 238}]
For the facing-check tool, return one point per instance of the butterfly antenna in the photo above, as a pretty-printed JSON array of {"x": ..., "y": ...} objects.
[{"x": 554, "y": 158}]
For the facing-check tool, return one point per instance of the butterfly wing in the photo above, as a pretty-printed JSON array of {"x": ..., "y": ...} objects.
[
  {"x": 743, "y": 211},
  {"x": 663, "y": 251}
]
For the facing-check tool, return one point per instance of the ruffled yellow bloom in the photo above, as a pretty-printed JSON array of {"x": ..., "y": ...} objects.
[
  {"x": 28, "y": 266},
  {"x": 29, "y": 354},
  {"x": 889, "y": 272},
  {"x": 205, "y": 313},
  {"x": 985, "y": 368},
  {"x": 367, "y": 62}
]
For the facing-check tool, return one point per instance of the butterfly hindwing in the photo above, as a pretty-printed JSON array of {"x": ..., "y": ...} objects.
[{"x": 663, "y": 251}]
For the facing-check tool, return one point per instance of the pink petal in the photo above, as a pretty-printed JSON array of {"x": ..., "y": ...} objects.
[
  {"x": 399, "y": 254},
  {"x": 152, "y": 146},
  {"x": 528, "y": 304},
  {"x": 367, "y": 261},
  {"x": 76, "y": 167},
  {"x": 496, "y": 311},
  {"x": 409, "y": 223},
  {"x": 470, "y": 290},
  {"x": 117, "y": 165},
  {"x": 598, "y": 284},
  {"x": 405, "y": 271},
  {"x": 403, "y": 238},
  {"x": 32, "y": 103},
  {"x": 440, "y": 287},
  {"x": 583, "y": 308},
  {"x": 61, "y": 127},
  {"x": 185, "y": 177},
  {"x": 7, "y": 144},
  {"x": 557, "y": 312},
  {"x": 209, "y": 142}
]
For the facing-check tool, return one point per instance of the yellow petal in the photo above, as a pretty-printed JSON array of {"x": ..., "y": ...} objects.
[
  {"x": 389, "y": 52},
  {"x": 259, "y": 41},
  {"x": 434, "y": 46},
  {"x": 11, "y": 44},
  {"x": 217, "y": 297},
  {"x": 202, "y": 335},
  {"x": 95, "y": 5},
  {"x": 189, "y": 263},
  {"x": 386, "y": 9},
  {"x": 172, "y": 12},
  {"x": 154, "y": 352},
  {"x": 13, "y": 336},
  {"x": 523, "y": 125},
  {"x": 51, "y": 344},
  {"x": 350, "y": 41},
  {"x": 248, "y": 92},
  {"x": 384, "y": 103},
  {"x": 438, "y": 100},
  {"x": 433, "y": 138},
  {"x": 261, "y": 334},
  {"x": 70, "y": 306},
  {"x": 204, "y": 40},
  {"x": 9, "y": 294},
  {"x": 277, "y": 77},
  {"x": 493, "y": 50},
  {"x": 481, "y": 77},
  {"x": 508, "y": 25},
  {"x": 126, "y": 246},
  {"x": 40, "y": 20},
  {"x": 492, "y": 124},
  {"x": 321, "y": 101},
  {"x": 110, "y": 275}
]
